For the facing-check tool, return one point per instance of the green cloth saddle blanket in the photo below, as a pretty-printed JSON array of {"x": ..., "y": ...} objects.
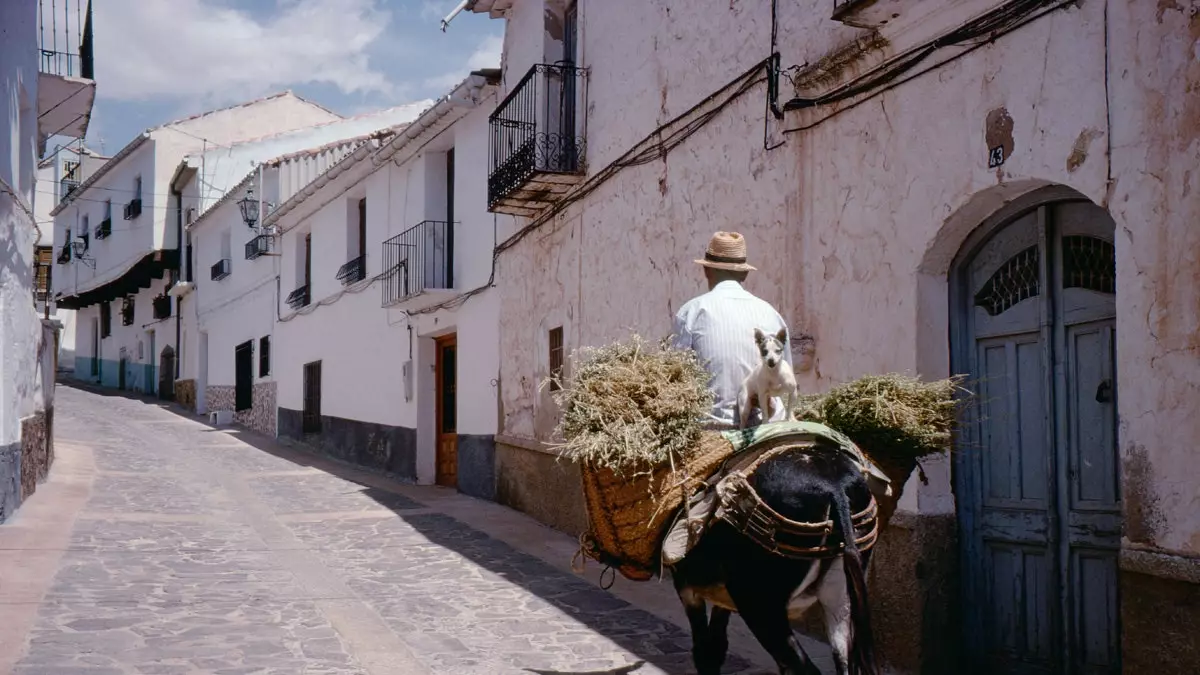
[{"x": 692, "y": 519}]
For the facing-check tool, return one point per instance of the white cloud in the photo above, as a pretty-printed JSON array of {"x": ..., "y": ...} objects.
[
  {"x": 486, "y": 55},
  {"x": 200, "y": 49}
]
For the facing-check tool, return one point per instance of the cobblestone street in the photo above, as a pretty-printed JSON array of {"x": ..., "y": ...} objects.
[{"x": 161, "y": 545}]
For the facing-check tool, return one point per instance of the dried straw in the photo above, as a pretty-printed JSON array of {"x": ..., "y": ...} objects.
[
  {"x": 890, "y": 415},
  {"x": 632, "y": 406}
]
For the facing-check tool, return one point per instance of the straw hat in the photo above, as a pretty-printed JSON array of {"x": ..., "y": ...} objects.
[{"x": 726, "y": 251}]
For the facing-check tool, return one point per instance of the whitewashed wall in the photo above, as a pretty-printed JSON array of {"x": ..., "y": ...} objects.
[
  {"x": 847, "y": 250},
  {"x": 20, "y": 329},
  {"x": 362, "y": 345}
]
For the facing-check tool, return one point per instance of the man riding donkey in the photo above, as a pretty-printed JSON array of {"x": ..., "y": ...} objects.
[{"x": 787, "y": 522}]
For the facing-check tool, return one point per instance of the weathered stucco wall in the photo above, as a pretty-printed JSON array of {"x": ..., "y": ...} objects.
[{"x": 853, "y": 223}]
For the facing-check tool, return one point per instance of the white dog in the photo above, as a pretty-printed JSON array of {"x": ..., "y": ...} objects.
[{"x": 770, "y": 378}]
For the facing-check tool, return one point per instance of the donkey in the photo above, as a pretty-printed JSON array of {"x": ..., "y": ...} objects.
[{"x": 735, "y": 574}]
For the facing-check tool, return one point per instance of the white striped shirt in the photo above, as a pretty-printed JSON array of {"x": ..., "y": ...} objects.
[{"x": 719, "y": 326}]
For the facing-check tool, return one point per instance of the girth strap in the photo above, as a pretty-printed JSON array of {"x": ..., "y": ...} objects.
[{"x": 740, "y": 505}]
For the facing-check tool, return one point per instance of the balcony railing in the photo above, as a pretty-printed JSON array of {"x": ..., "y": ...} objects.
[
  {"x": 298, "y": 298},
  {"x": 133, "y": 209},
  {"x": 260, "y": 245},
  {"x": 66, "y": 186},
  {"x": 65, "y": 38},
  {"x": 353, "y": 271},
  {"x": 221, "y": 269},
  {"x": 162, "y": 307},
  {"x": 418, "y": 259},
  {"x": 104, "y": 229},
  {"x": 536, "y": 130}
]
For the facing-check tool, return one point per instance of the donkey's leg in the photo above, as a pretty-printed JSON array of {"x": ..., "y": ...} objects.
[
  {"x": 766, "y": 616},
  {"x": 703, "y": 655},
  {"x": 718, "y": 635}
]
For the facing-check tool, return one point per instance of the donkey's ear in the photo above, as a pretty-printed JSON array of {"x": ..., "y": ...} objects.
[
  {"x": 782, "y": 336},
  {"x": 759, "y": 336}
]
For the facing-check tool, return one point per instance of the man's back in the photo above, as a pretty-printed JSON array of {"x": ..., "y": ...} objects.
[{"x": 719, "y": 326}]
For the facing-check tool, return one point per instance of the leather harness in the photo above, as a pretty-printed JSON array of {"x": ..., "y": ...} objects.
[{"x": 739, "y": 504}]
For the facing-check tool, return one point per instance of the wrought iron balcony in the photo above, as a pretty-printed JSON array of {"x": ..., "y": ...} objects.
[
  {"x": 104, "y": 229},
  {"x": 162, "y": 307},
  {"x": 260, "y": 245},
  {"x": 298, "y": 298},
  {"x": 221, "y": 269},
  {"x": 353, "y": 271},
  {"x": 127, "y": 312},
  {"x": 419, "y": 259},
  {"x": 133, "y": 209},
  {"x": 65, "y": 38},
  {"x": 536, "y": 149}
]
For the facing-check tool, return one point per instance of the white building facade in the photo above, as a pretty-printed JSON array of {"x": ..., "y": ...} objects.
[
  {"x": 228, "y": 290},
  {"x": 372, "y": 366},
  {"x": 58, "y": 175},
  {"x": 990, "y": 187},
  {"x": 46, "y": 91},
  {"x": 124, "y": 225}
]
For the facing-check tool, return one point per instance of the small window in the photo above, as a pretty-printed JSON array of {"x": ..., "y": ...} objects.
[
  {"x": 108, "y": 209},
  {"x": 556, "y": 357},
  {"x": 264, "y": 356},
  {"x": 137, "y": 187}
]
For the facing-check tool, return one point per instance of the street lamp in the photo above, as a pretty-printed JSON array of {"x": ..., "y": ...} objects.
[{"x": 249, "y": 207}]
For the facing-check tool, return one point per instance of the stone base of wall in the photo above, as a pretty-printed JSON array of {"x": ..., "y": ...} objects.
[
  {"x": 10, "y": 480},
  {"x": 1160, "y": 613},
  {"x": 37, "y": 450},
  {"x": 185, "y": 394},
  {"x": 261, "y": 415},
  {"x": 375, "y": 446},
  {"x": 477, "y": 466},
  {"x": 534, "y": 482},
  {"x": 915, "y": 596}
]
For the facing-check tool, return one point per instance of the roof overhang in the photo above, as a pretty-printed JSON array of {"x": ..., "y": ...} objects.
[
  {"x": 142, "y": 274},
  {"x": 104, "y": 168}
]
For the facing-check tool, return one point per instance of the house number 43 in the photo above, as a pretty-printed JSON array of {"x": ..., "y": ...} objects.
[{"x": 995, "y": 156}]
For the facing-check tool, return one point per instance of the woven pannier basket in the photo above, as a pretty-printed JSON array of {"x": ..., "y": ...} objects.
[{"x": 628, "y": 516}]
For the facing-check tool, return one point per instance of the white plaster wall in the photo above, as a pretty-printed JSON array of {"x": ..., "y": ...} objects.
[
  {"x": 852, "y": 224},
  {"x": 362, "y": 345},
  {"x": 130, "y": 239},
  {"x": 239, "y": 307},
  {"x": 20, "y": 329}
]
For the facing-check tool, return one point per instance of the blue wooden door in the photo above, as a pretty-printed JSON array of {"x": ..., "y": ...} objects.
[{"x": 1036, "y": 469}]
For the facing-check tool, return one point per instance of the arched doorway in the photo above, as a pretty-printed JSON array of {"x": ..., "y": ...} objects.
[{"x": 1036, "y": 473}]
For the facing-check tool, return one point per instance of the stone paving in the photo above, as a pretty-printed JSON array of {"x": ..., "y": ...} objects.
[{"x": 199, "y": 553}]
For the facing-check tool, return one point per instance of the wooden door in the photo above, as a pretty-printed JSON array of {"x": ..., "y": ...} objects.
[
  {"x": 446, "y": 371},
  {"x": 243, "y": 376},
  {"x": 1037, "y": 468}
]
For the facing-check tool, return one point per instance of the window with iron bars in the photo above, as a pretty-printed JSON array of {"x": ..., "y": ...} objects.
[
  {"x": 127, "y": 312},
  {"x": 556, "y": 358}
]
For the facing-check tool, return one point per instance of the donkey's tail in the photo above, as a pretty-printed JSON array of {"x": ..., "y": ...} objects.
[{"x": 862, "y": 640}]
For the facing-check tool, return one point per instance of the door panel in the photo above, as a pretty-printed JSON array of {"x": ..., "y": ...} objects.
[
  {"x": 1037, "y": 467},
  {"x": 447, "y": 411},
  {"x": 243, "y": 364}
]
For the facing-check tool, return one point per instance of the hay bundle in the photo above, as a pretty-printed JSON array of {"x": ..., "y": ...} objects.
[
  {"x": 632, "y": 407},
  {"x": 892, "y": 416}
]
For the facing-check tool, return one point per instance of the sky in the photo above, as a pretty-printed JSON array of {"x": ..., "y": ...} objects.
[{"x": 160, "y": 60}]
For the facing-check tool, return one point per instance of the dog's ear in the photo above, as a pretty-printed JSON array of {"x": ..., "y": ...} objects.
[
  {"x": 759, "y": 337},
  {"x": 782, "y": 336}
]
